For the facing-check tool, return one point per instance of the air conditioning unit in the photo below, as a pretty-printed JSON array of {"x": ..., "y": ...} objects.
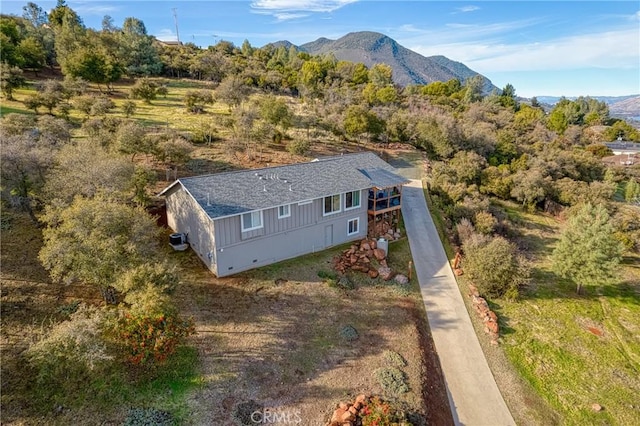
[{"x": 178, "y": 241}]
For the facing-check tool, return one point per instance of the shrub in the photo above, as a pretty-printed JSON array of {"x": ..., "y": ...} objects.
[
  {"x": 494, "y": 265},
  {"x": 195, "y": 100},
  {"x": 84, "y": 104},
  {"x": 325, "y": 275},
  {"x": 344, "y": 283},
  {"x": 377, "y": 412},
  {"x": 148, "y": 417},
  {"x": 162, "y": 91},
  {"x": 485, "y": 222},
  {"x": 298, "y": 147},
  {"x": 71, "y": 349},
  {"x": 148, "y": 339},
  {"x": 393, "y": 359},
  {"x": 242, "y": 412},
  {"x": 332, "y": 280},
  {"x": 102, "y": 105},
  {"x": 144, "y": 89},
  {"x": 349, "y": 333},
  {"x": 129, "y": 108},
  {"x": 392, "y": 380},
  {"x": 5, "y": 221},
  {"x": 329, "y": 278},
  {"x": 69, "y": 308},
  {"x": 632, "y": 191},
  {"x": 465, "y": 230}
]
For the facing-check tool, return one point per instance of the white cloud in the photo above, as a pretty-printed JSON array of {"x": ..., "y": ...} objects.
[
  {"x": 287, "y": 16},
  {"x": 466, "y": 9},
  {"x": 88, "y": 9},
  {"x": 606, "y": 50},
  {"x": 459, "y": 33},
  {"x": 288, "y": 9}
]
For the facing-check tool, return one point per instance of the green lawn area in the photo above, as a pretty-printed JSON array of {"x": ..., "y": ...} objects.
[{"x": 575, "y": 350}]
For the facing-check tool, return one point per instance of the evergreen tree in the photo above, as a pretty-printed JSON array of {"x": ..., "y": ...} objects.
[{"x": 588, "y": 252}]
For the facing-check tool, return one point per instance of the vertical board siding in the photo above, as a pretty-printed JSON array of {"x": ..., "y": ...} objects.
[
  {"x": 301, "y": 233},
  {"x": 184, "y": 215},
  {"x": 229, "y": 230}
]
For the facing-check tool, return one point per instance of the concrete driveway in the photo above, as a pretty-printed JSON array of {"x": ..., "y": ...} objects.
[{"x": 473, "y": 394}]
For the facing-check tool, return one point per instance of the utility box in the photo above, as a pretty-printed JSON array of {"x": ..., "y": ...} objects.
[{"x": 383, "y": 245}]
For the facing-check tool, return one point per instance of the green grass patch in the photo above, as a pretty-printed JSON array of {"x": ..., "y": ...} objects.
[
  {"x": 14, "y": 108},
  {"x": 114, "y": 387},
  {"x": 575, "y": 350}
]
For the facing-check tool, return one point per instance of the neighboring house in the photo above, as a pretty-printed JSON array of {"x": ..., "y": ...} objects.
[
  {"x": 241, "y": 220},
  {"x": 621, "y": 147}
]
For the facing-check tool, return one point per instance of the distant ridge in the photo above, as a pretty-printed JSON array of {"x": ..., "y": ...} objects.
[
  {"x": 627, "y": 107},
  {"x": 408, "y": 67}
]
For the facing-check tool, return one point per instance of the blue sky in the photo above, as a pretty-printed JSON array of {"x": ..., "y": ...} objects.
[{"x": 552, "y": 48}]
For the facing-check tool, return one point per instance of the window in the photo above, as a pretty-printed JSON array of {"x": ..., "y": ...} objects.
[
  {"x": 353, "y": 226},
  {"x": 331, "y": 204},
  {"x": 284, "y": 211},
  {"x": 251, "y": 221},
  {"x": 352, "y": 200}
]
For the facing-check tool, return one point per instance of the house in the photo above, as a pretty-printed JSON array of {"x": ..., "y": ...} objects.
[
  {"x": 240, "y": 220},
  {"x": 620, "y": 147}
]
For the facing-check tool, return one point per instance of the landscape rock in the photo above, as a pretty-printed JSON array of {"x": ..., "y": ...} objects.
[
  {"x": 401, "y": 279},
  {"x": 493, "y": 327},
  {"x": 485, "y": 313},
  {"x": 385, "y": 273},
  {"x": 596, "y": 407},
  {"x": 379, "y": 254},
  {"x": 473, "y": 290},
  {"x": 373, "y": 273},
  {"x": 337, "y": 415},
  {"x": 347, "y": 416}
]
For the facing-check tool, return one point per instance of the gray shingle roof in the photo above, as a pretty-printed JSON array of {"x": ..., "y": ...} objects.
[{"x": 231, "y": 193}]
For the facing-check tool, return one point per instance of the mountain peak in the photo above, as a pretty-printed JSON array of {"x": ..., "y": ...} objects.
[{"x": 408, "y": 67}]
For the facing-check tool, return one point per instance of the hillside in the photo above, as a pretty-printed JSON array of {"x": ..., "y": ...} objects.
[
  {"x": 408, "y": 66},
  {"x": 628, "y": 107},
  {"x": 625, "y": 107}
]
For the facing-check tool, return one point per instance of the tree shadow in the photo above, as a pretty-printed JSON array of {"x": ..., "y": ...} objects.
[
  {"x": 535, "y": 243},
  {"x": 503, "y": 319},
  {"x": 547, "y": 284}
]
